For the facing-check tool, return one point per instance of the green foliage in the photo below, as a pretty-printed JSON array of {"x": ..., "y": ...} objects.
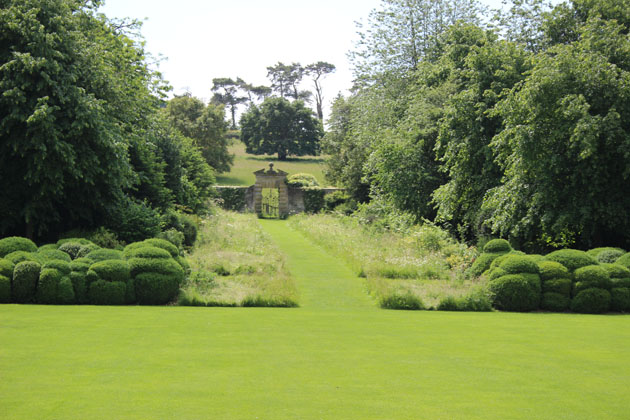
[
  {"x": 173, "y": 236},
  {"x": 155, "y": 288},
  {"x": 552, "y": 270},
  {"x": 103, "y": 254},
  {"x": 62, "y": 266},
  {"x": 47, "y": 285},
  {"x": 516, "y": 264},
  {"x": 482, "y": 263},
  {"x": 5, "y": 289},
  {"x": 101, "y": 237},
  {"x": 596, "y": 251},
  {"x": 282, "y": 127},
  {"x": 400, "y": 299},
  {"x": 624, "y": 260},
  {"x": 162, "y": 266},
  {"x": 475, "y": 301},
  {"x": 103, "y": 292},
  {"x": 302, "y": 180},
  {"x": 16, "y": 243},
  {"x": 71, "y": 248},
  {"x": 48, "y": 247},
  {"x": 513, "y": 292},
  {"x": 147, "y": 251},
  {"x": 591, "y": 276},
  {"x": 572, "y": 259},
  {"x": 65, "y": 292},
  {"x": 555, "y": 302},
  {"x": 591, "y": 301},
  {"x": 268, "y": 301},
  {"x": 620, "y": 299},
  {"x": 24, "y": 285},
  {"x": 313, "y": 199},
  {"x": 79, "y": 284},
  {"x": 111, "y": 270},
  {"x": 80, "y": 241},
  {"x": 85, "y": 250},
  {"x": 51, "y": 254},
  {"x": 166, "y": 245},
  {"x": 560, "y": 286},
  {"x": 134, "y": 221},
  {"x": 233, "y": 198},
  {"x": 6, "y": 268},
  {"x": 81, "y": 264},
  {"x": 609, "y": 256},
  {"x": 497, "y": 246}
]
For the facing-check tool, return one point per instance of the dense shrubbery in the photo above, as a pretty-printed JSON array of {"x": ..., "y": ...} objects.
[
  {"x": 233, "y": 198},
  {"x": 15, "y": 243},
  {"x": 313, "y": 199},
  {"x": 591, "y": 301},
  {"x": 401, "y": 299},
  {"x": 513, "y": 292}
]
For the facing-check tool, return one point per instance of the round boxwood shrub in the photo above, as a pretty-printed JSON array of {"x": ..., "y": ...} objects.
[
  {"x": 148, "y": 251},
  {"x": 53, "y": 254},
  {"x": 401, "y": 300},
  {"x": 62, "y": 266},
  {"x": 591, "y": 301},
  {"x": 513, "y": 293},
  {"x": 103, "y": 292},
  {"x": 48, "y": 247},
  {"x": 24, "y": 285},
  {"x": 610, "y": 256},
  {"x": 495, "y": 273},
  {"x": 624, "y": 260},
  {"x": 533, "y": 280},
  {"x": 616, "y": 271},
  {"x": 300, "y": 180},
  {"x": 164, "y": 244},
  {"x": 19, "y": 256},
  {"x": 155, "y": 288},
  {"x": 620, "y": 299},
  {"x": 161, "y": 266},
  {"x": 6, "y": 268},
  {"x": 85, "y": 250},
  {"x": 623, "y": 282},
  {"x": 571, "y": 258},
  {"x": 552, "y": 270},
  {"x": 516, "y": 264},
  {"x": 183, "y": 264},
  {"x": 482, "y": 263},
  {"x": 591, "y": 276},
  {"x": 103, "y": 254},
  {"x": 595, "y": 252},
  {"x": 497, "y": 246},
  {"x": 71, "y": 248},
  {"x": 555, "y": 302},
  {"x": 47, "y": 285},
  {"x": 111, "y": 270},
  {"x": 65, "y": 292},
  {"x": 79, "y": 284},
  {"x": 81, "y": 264},
  {"x": 558, "y": 286},
  {"x": 5, "y": 289},
  {"x": 16, "y": 243}
]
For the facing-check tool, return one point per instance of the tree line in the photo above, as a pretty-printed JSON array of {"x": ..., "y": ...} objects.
[{"x": 508, "y": 123}]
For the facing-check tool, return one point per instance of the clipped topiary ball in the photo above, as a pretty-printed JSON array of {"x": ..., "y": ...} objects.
[
  {"x": 572, "y": 259},
  {"x": 555, "y": 302},
  {"x": 591, "y": 276},
  {"x": 25, "y": 276},
  {"x": 558, "y": 286},
  {"x": 62, "y": 266},
  {"x": 624, "y": 260},
  {"x": 616, "y": 271},
  {"x": 85, "y": 250},
  {"x": 71, "y": 248},
  {"x": 16, "y": 243},
  {"x": 482, "y": 263},
  {"x": 161, "y": 266},
  {"x": 19, "y": 256},
  {"x": 148, "y": 251},
  {"x": 620, "y": 299},
  {"x": 103, "y": 292},
  {"x": 155, "y": 288},
  {"x": 5, "y": 289},
  {"x": 610, "y": 256},
  {"x": 103, "y": 254},
  {"x": 495, "y": 273},
  {"x": 65, "y": 292},
  {"x": 53, "y": 254},
  {"x": 6, "y": 268},
  {"x": 47, "y": 286},
  {"x": 48, "y": 247},
  {"x": 164, "y": 244},
  {"x": 591, "y": 301},
  {"x": 497, "y": 246},
  {"x": 79, "y": 285},
  {"x": 516, "y": 264},
  {"x": 302, "y": 180},
  {"x": 111, "y": 270},
  {"x": 81, "y": 265},
  {"x": 624, "y": 282},
  {"x": 513, "y": 293},
  {"x": 552, "y": 270},
  {"x": 595, "y": 252}
]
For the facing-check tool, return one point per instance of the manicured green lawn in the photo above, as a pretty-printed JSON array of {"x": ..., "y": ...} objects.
[
  {"x": 242, "y": 173},
  {"x": 335, "y": 357}
]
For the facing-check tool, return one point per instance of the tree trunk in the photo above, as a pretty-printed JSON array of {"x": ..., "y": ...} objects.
[{"x": 282, "y": 155}]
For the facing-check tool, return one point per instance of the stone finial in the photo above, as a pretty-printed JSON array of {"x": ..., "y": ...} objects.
[{"x": 270, "y": 167}]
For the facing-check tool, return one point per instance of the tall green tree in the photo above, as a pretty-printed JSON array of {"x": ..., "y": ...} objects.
[
  {"x": 206, "y": 125},
  {"x": 317, "y": 71},
  {"x": 282, "y": 127},
  {"x": 227, "y": 92}
]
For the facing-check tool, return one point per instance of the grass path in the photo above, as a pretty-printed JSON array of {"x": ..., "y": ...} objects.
[
  {"x": 336, "y": 357},
  {"x": 324, "y": 282}
]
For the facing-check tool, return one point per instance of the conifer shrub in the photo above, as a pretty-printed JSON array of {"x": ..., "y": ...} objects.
[
  {"x": 52, "y": 255},
  {"x": 558, "y": 286},
  {"x": 5, "y": 289},
  {"x": 517, "y": 264},
  {"x": 65, "y": 292},
  {"x": 591, "y": 301},
  {"x": 71, "y": 248},
  {"x": 591, "y": 276},
  {"x": 155, "y": 288},
  {"x": 6, "y": 268},
  {"x": 16, "y": 243},
  {"x": 19, "y": 256},
  {"x": 620, "y": 299},
  {"x": 555, "y": 302},
  {"x": 513, "y": 292},
  {"x": 103, "y": 254},
  {"x": 400, "y": 299},
  {"x": 102, "y": 292},
  {"x": 572, "y": 259},
  {"x": 111, "y": 270},
  {"x": 47, "y": 285},
  {"x": 497, "y": 246},
  {"x": 62, "y": 266},
  {"x": 552, "y": 270},
  {"x": 624, "y": 260},
  {"x": 24, "y": 285}
]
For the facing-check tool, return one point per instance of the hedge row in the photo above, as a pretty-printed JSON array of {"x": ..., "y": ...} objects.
[
  {"x": 596, "y": 281},
  {"x": 75, "y": 271}
]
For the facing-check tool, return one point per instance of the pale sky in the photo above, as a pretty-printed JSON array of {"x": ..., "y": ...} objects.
[{"x": 204, "y": 39}]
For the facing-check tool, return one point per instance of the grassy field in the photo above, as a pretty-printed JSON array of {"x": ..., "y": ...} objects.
[
  {"x": 335, "y": 357},
  {"x": 242, "y": 173}
]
